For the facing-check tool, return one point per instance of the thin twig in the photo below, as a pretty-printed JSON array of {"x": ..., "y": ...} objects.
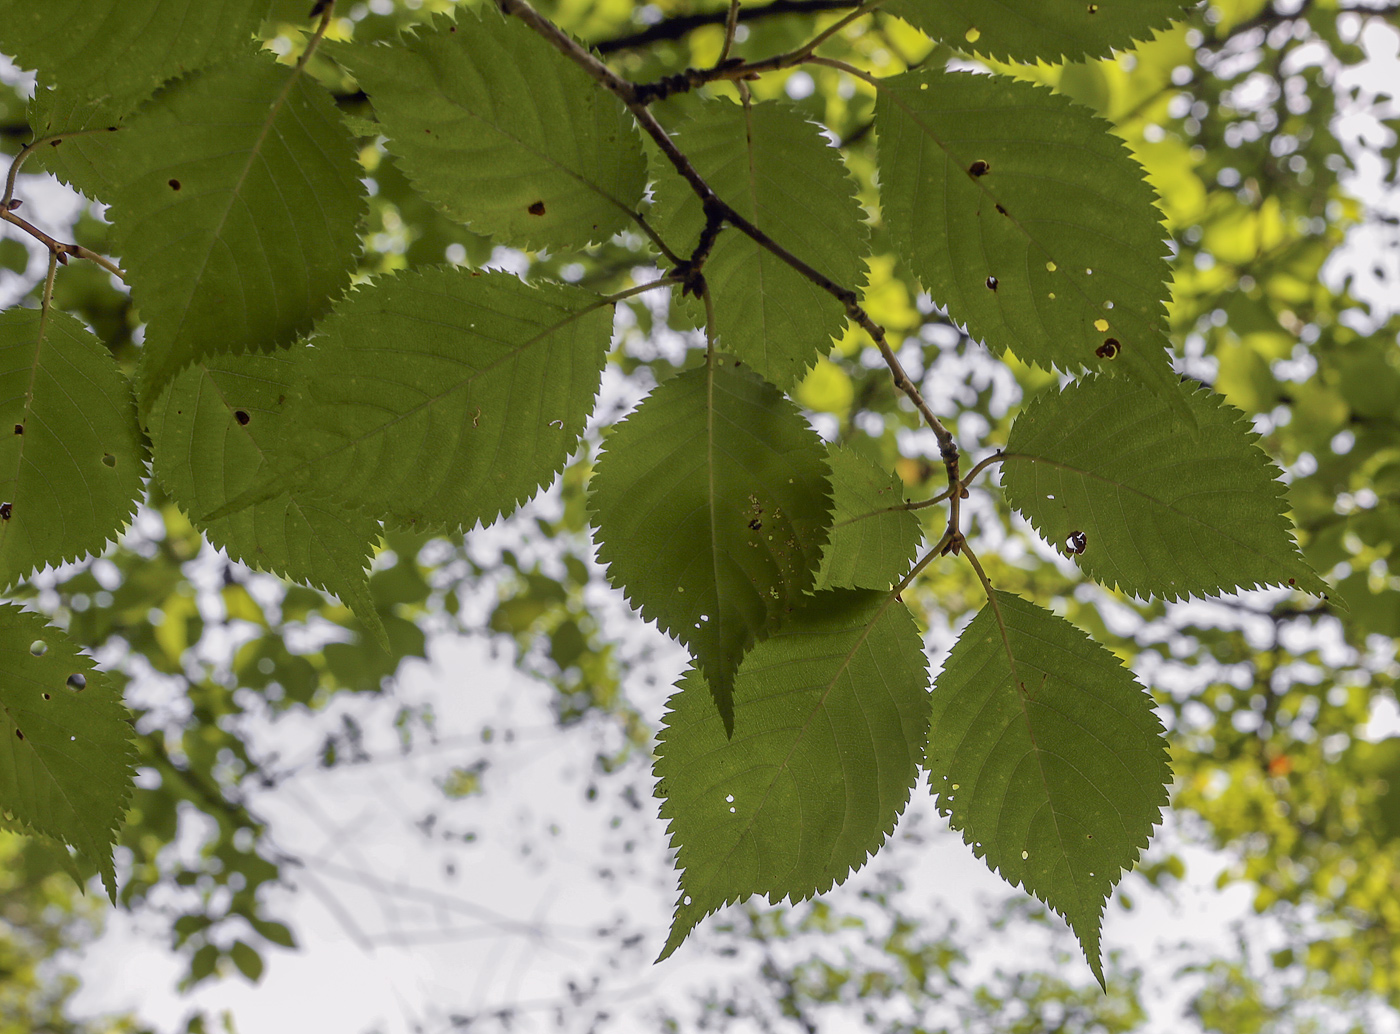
[
  {"x": 681, "y": 25},
  {"x": 57, "y": 248},
  {"x": 665, "y": 281},
  {"x": 326, "y": 8},
  {"x": 731, "y": 25}
]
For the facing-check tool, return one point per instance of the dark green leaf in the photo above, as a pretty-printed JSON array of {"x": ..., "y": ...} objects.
[
  {"x": 831, "y": 715},
  {"x": 1163, "y": 507},
  {"x": 66, "y": 760},
  {"x": 780, "y": 173},
  {"x": 504, "y": 133},
  {"x": 712, "y": 506},
  {"x": 873, "y": 538},
  {"x": 1027, "y": 219},
  {"x": 1047, "y": 756},
  {"x": 71, "y": 455}
]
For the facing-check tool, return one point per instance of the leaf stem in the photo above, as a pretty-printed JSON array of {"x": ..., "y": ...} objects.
[
  {"x": 731, "y": 25},
  {"x": 57, "y": 249},
  {"x": 665, "y": 281},
  {"x": 326, "y": 8},
  {"x": 48, "y": 283}
]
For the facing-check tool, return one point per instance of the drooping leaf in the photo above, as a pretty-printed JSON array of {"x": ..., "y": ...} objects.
[
  {"x": 873, "y": 538},
  {"x": 1048, "y": 758},
  {"x": 712, "y": 506},
  {"x": 1027, "y": 219},
  {"x": 71, "y": 455},
  {"x": 1040, "y": 30},
  {"x": 1106, "y": 471},
  {"x": 831, "y": 715},
  {"x": 211, "y": 431},
  {"x": 504, "y": 133},
  {"x": 778, "y": 171},
  {"x": 440, "y": 398},
  {"x": 235, "y": 206},
  {"x": 66, "y": 760}
]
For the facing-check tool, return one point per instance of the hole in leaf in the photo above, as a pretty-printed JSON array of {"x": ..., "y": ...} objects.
[
  {"x": 1077, "y": 542},
  {"x": 46, "y": 696},
  {"x": 973, "y": 35},
  {"x": 978, "y": 168},
  {"x": 729, "y": 797},
  {"x": 1109, "y": 349},
  {"x": 1093, "y": 8},
  {"x": 38, "y": 648},
  {"x": 19, "y": 429},
  {"x": 1088, "y": 272},
  {"x": 1101, "y": 325},
  {"x": 731, "y": 811},
  {"x": 1050, "y": 267},
  {"x": 685, "y": 900},
  {"x": 1025, "y": 855},
  {"x": 537, "y": 208},
  {"x": 241, "y": 417},
  {"x": 174, "y": 184},
  {"x": 109, "y": 460},
  {"x": 77, "y": 682},
  {"x": 992, "y": 283},
  {"x": 1108, "y": 305}
]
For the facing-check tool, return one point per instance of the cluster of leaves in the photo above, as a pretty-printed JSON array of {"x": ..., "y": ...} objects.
[{"x": 295, "y": 419}]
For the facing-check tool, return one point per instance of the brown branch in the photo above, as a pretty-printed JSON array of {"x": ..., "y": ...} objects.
[{"x": 681, "y": 25}]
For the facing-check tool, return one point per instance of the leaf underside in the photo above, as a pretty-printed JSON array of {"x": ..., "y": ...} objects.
[
  {"x": 235, "y": 202},
  {"x": 442, "y": 398},
  {"x": 504, "y": 133},
  {"x": 712, "y": 504},
  {"x": 1039, "y": 30},
  {"x": 1164, "y": 508},
  {"x": 871, "y": 544},
  {"x": 831, "y": 715},
  {"x": 71, "y": 455},
  {"x": 66, "y": 760},
  {"x": 778, "y": 171},
  {"x": 1027, "y": 220},
  {"x": 212, "y": 430},
  {"x": 1047, "y": 756}
]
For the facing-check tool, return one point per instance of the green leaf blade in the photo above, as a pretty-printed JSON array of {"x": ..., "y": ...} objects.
[
  {"x": 831, "y": 715},
  {"x": 66, "y": 757},
  {"x": 441, "y": 398},
  {"x": 71, "y": 454},
  {"x": 873, "y": 539},
  {"x": 781, "y": 174},
  {"x": 1047, "y": 756},
  {"x": 1040, "y": 30},
  {"x": 712, "y": 506},
  {"x": 504, "y": 133},
  {"x": 213, "y": 429},
  {"x": 1165, "y": 507},
  {"x": 235, "y": 203},
  {"x": 1027, "y": 219}
]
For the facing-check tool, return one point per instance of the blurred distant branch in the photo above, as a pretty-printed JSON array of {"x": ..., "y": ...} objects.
[{"x": 678, "y": 26}]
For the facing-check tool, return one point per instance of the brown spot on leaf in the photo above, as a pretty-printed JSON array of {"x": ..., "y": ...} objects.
[
  {"x": 756, "y": 524},
  {"x": 6, "y": 509},
  {"x": 1001, "y": 210},
  {"x": 241, "y": 417},
  {"x": 19, "y": 429},
  {"x": 978, "y": 168},
  {"x": 174, "y": 184},
  {"x": 537, "y": 208},
  {"x": 1109, "y": 349},
  {"x": 1077, "y": 543}
]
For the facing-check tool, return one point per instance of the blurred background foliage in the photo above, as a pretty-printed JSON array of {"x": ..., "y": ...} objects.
[{"x": 1270, "y": 131}]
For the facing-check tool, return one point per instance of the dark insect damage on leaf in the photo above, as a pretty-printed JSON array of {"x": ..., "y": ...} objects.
[
  {"x": 241, "y": 417},
  {"x": 992, "y": 283},
  {"x": 174, "y": 184},
  {"x": 108, "y": 460},
  {"x": 756, "y": 524},
  {"x": 19, "y": 734},
  {"x": 537, "y": 208},
  {"x": 1077, "y": 542},
  {"x": 1109, "y": 349},
  {"x": 978, "y": 168},
  {"x": 19, "y": 429},
  {"x": 1001, "y": 210},
  {"x": 6, "y": 509}
]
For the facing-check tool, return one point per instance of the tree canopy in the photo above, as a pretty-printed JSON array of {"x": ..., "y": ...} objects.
[{"x": 1002, "y": 402}]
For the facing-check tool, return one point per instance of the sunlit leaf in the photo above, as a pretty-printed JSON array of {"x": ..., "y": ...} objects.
[
  {"x": 830, "y": 719},
  {"x": 66, "y": 761},
  {"x": 71, "y": 455},
  {"x": 1046, "y": 755},
  {"x": 712, "y": 506}
]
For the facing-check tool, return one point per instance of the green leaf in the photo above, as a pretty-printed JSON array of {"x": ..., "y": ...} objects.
[
  {"x": 235, "y": 201},
  {"x": 247, "y": 959},
  {"x": 712, "y": 506},
  {"x": 212, "y": 430},
  {"x": 504, "y": 133},
  {"x": 831, "y": 715},
  {"x": 778, "y": 171},
  {"x": 441, "y": 398},
  {"x": 1039, "y": 30},
  {"x": 872, "y": 540},
  {"x": 66, "y": 760},
  {"x": 1163, "y": 507},
  {"x": 1048, "y": 757},
  {"x": 1026, "y": 219},
  {"x": 71, "y": 455}
]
